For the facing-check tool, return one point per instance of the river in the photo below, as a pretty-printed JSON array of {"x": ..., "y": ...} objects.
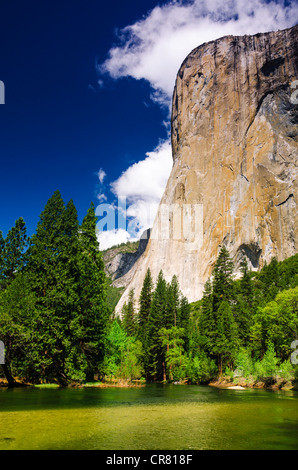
[{"x": 155, "y": 417}]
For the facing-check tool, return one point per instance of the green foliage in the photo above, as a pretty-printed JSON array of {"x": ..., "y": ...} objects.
[
  {"x": 12, "y": 252},
  {"x": 53, "y": 310},
  {"x": 172, "y": 341},
  {"x": 222, "y": 287},
  {"x": 123, "y": 355},
  {"x": 128, "y": 247},
  {"x": 286, "y": 371},
  {"x": 277, "y": 323},
  {"x": 201, "y": 368},
  {"x": 145, "y": 306},
  {"x": 256, "y": 310},
  {"x": 56, "y": 326},
  {"x": 244, "y": 366},
  {"x": 131, "y": 368},
  {"x": 154, "y": 352},
  {"x": 113, "y": 295},
  {"x": 129, "y": 317},
  {"x": 266, "y": 368},
  {"x": 226, "y": 335}
]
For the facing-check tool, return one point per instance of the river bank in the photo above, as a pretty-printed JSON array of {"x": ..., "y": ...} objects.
[
  {"x": 108, "y": 384},
  {"x": 224, "y": 382},
  {"x": 242, "y": 384}
]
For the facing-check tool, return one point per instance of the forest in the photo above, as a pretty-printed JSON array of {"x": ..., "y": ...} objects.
[{"x": 57, "y": 323}]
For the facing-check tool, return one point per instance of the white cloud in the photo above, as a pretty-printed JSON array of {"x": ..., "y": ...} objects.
[
  {"x": 140, "y": 188},
  {"x": 101, "y": 175},
  {"x": 143, "y": 184},
  {"x": 110, "y": 238},
  {"x": 154, "y": 47},
  {"x": 102, "y": 197}
]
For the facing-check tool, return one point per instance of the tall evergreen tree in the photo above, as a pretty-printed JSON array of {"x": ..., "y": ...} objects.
[
  {"x": 226, "y": 335},
  {"x": 207, "y": 321},
  {"x": 269, "y": 281},
  {"x": 155, "y": 353},
  {"x": 244, "y": 306},
  {"x": 92, "y": 288},
  {"x": 2, "y": 267},
  {"x": 17, "y": 306},
  {"x": 129, "y": 315},
  {"x": 48, "y": 274},
  {"x": 145, "y": 305},
  {"x": 222, "y": 278},
  {"x": 13, "y": 251},
  {"x": 67, "y": 276},
  {"x": 173, "y": 295},
  {"x": 246, "y": 286},
  {"x": 183, "y": 320}
]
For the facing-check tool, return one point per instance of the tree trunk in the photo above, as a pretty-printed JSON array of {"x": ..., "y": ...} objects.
[
  {"x": 220, "y": 365},
  {"x": 11, "y": 381},
  {"x": 164, "y": 371}
]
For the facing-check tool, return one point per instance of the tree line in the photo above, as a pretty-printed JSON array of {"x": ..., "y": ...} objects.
[
  {"x": 53, "y": 309},
  {"x": 57, "y": 324},
  {"x": 246, "y": 325}
]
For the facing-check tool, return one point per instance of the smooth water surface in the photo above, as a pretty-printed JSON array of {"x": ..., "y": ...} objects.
[{"x": 155, "y": 417}]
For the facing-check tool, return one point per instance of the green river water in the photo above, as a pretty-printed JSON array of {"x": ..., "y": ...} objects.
[{"x": 155, "y": 417}]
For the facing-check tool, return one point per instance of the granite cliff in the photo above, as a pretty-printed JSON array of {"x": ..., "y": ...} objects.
[
  {"x": 120, "y": 262},
  {"x": 235, "y": 147}
]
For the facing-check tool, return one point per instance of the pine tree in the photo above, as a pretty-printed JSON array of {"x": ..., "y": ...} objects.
[
  {"x": 173, "y": 296},
  {"x": 17, "y": 306},
  {"x": 269, "y": 277},
  {"x": 12, "y": 259},
  {"x": 207, "y": 321},
  {"x": 67, "y": 276},
  {"x": 92, "y": 289},
  {"x": 12, "y": 251},
  {"x": 2, "y": 267},
  {"x": 183, "y": 320},
  {"x": 47, "y": 271},
  {"x": 145, "y": 305},
  {"x": 246, "y": 286},
  {"x": 226, "y": 335},
  {"x": 54, "y": 307},
  {"x": 155, "y": 353},
  {"x": 222, "y": 278},
  {"x": 245, "y": 304},
  {"x": 44, "y": 252},
  {"x": 129, "y": 315}
]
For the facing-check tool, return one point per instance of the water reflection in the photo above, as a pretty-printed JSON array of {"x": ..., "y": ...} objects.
[{"x": 156, "y": 417}]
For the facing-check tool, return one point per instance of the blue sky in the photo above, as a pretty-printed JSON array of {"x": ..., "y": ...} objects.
[{"x": 88, "y": 88}]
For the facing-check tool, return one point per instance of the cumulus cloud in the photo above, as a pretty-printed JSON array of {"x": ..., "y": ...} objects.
[
  {"x": 113, "y": 237},
  {"x": 154, "y": 47},
  {"x": 142, "y": 185}
]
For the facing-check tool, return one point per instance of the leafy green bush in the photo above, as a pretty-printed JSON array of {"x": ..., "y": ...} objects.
[
  {"x": 201, "y": 369},
  {"x": 123, "y": 358},
  {"x": 286, "y": 371},
  {"x": 244, "y": 363},
  {"x": 267, "y": 367}
]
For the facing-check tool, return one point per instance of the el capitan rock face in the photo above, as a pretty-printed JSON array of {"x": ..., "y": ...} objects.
[{"x": 235, "y": 147}]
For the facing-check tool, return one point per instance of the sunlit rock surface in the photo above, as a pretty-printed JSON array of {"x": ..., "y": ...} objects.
[{"x": 233, "y": 182}]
